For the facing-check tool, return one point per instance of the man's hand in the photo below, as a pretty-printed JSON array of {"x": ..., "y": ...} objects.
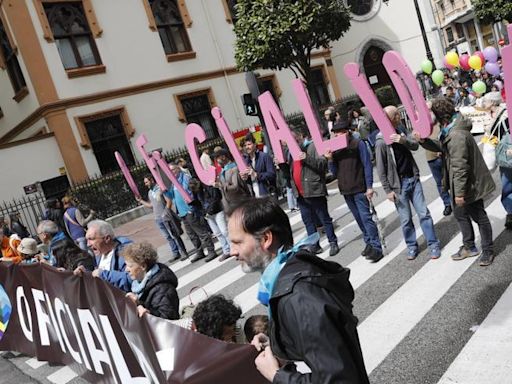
[
  {"x": 96, "y": 272},
  {"x": 328, "y": 155},
  {"x": 459, "y": 201},
  {"x": 509, "y": 152},
  {"x": 79, "y": 271},
  {"x": 369, "y": 193},
  {"x": 397, "y": 138},
  {"x": 392, "y": 196},
  {"x": 302, "y": 156},
  {"x": 133, "y": 297},
  {"x": 141, "y": 311},
  {"x": 245, "y": 174},
  {"x": 267, "y": 364},
  {"x": 416, "y": 135},
  {"x": 260, "y": 341}
]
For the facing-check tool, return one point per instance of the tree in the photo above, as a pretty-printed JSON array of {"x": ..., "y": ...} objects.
[
  {"x": 277, "y": 34},
  {"x": 492, "y": 11}
]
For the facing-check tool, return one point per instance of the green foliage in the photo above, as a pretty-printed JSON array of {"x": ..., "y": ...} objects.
[
  {"x": 491, "y": 11},
  {"x": 276, "y": 34}
]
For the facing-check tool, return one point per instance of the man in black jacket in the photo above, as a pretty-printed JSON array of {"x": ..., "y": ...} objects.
[{"x": 309, "y": 300}]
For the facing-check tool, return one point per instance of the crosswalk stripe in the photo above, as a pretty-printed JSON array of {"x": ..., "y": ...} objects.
[
  {"x": 62, "y": 376},
  {"x": 34, "y": 363},
  {"x": 487, "y": 357},
  {"x": 407, "y": 306}
]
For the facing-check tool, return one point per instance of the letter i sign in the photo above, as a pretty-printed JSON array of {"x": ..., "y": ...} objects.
[{"x": 5, "y": 311}]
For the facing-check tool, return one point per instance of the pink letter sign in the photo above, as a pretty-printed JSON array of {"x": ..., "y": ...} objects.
[
  {"x": 127, "y": 174},
  {"x": 506, "y": 62},
  {"x": 406, "y": 85},
  {"x": 228, "y": 138},
  {"x": 277, "y": 128},
  {"x": 194, "y": 132},
  {"x": 369, "y": 99},
  {"x": 160, "y": 162},
  {"x": 338, "y": 142}
]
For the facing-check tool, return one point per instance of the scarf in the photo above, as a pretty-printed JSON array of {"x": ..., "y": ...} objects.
[
  {"x": 269, "y": 277},
  {"x": 138, "y": 287},
  {"x": 226, "y": 168},
  {"x": 446, "y": 130}
]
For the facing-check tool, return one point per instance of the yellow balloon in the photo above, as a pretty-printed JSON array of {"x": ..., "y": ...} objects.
[
  {"x": 475, "y": 62},
  {"x": 452, "y": 58}
]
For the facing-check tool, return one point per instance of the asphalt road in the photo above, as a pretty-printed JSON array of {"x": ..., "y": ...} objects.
[{"x": 421, "y": 321}]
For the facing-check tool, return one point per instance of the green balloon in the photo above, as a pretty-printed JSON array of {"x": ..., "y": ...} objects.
[
  {"x": 479, "y": 87},
  {"x": 426, "y": 66},
  {"x": 438, "y": 77}
]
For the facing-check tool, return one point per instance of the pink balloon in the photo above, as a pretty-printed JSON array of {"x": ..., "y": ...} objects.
[
  {"x": 446, "y": 65},
  {"x": 492, "y": 69},
  {"x": 464, "y": 62},
  {"x": 481, "y": 56}
]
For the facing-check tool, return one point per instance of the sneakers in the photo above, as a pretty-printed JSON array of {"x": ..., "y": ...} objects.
[
  {"x": 374, "y": 255},
  {"x": 447, "y": 210},
  {"x": 412, "y": 253},
  {"x": 366, "y": 250},
  {"x": 434, "y": 253},
  {"x": 174, "y": 257},
  {"x": 334, "y": 249},
  {"x": 464, "y": 253},
  {"x": 508, "y": 221},
  {"x": 316, "y": 248},
  {"x": 486, "y": 259},
  {"x": 225, "y": 256},
  {"x": 184, "y": 257}
]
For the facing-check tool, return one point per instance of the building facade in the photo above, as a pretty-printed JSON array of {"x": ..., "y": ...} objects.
[
  {"x": 461, "y": 30},
  {"x": 80, "y": 79}
]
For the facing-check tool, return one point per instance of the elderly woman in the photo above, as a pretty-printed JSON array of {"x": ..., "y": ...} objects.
[{"x": 154, "y": 284}]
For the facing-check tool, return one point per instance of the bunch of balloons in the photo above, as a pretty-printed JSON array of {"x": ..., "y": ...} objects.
[{"x": 476, "y": 61}]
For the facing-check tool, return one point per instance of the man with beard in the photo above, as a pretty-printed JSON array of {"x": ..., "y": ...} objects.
[{"x": 309, "y": 300}]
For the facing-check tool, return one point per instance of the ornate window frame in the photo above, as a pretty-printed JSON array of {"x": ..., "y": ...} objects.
[
  {"x": 373, "y": 11},
  {"x": 185, "y": 95},
  {"x": 82, "y": 130}
]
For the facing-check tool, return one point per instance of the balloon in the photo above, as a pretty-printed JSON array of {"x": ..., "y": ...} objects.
[
  {"x": 426, "y": 66},
  {"x": 438, "y": 77},
  {"x": 479, "y": 87},
  {"x": 446, "y": 65},
  {"x": 475, "y": 62},
  {"x": 481, "y": 56},
  {"x": 492, "y": 69},
  {"x": 491, "y": 54},
  {"x": 464, "y": 62},
  {"x": 452, "y": 58}
]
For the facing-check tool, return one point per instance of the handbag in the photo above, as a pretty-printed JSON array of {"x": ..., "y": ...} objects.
[
  {"x": 188, "y": 310},
  {"x": 489, "y": 152},
  {"x": 503, "y": 160}
]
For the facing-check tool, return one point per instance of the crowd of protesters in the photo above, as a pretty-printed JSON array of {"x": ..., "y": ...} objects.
[{"x": 240, "y": 210}]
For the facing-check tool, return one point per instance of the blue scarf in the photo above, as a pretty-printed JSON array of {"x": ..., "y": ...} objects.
[
  {"x": 446, "y": 130},
  {"x": 138, "y": 287},
  {"x": 269, "y": 276},
  {"x": 226, "y": 168}
]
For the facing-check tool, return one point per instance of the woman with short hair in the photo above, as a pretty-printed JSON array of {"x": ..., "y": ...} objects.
[{"x": 154, "y": 284}]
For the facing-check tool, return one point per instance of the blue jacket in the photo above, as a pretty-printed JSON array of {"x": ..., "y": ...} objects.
[
  {"x": 264, "y": 167},
  {"x": 117, "y": 275}
]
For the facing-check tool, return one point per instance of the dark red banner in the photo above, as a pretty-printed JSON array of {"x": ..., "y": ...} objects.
[{"x": 87, "y": 324}]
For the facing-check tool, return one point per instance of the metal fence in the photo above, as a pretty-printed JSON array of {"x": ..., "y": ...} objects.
[{"x": 31, "y": 209}]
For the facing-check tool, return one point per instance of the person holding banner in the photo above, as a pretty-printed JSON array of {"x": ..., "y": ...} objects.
[
  {"x": 309, "y": 300},
  {"x": 157, "y": 202}
]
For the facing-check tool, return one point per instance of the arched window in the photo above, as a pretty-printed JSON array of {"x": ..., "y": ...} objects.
[
  {"x": 72, "y": 34},
  {"x": 360, "y": 7}
]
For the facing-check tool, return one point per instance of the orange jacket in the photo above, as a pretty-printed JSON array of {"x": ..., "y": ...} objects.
[{"x": 9, "y": 246}]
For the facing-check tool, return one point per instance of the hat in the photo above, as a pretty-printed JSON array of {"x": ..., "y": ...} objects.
[
  {"x": 493, "y": 97},
  {"x": 340, "y": 125},
  {"x": 28, "y": 246}
]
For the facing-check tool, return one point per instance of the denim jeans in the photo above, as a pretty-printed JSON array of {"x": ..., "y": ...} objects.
[
  {"x": 316, "y": 205},
  {"x": 412, "y": 192},
  {"x": 506, "y": 189},
  {"x": 175, "y": 249},
  {"x": 360, "y": 208},
  {"x": 436, "y": 167},
  {"x": 219, "y": 228},
  {"x": 475, "y": 211},
  {"x": 292, "y": 201}
]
